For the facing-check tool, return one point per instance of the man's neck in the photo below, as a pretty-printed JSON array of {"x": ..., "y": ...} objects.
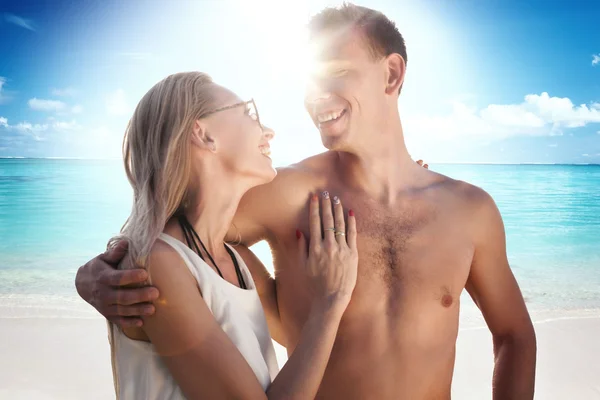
[{"x": 381, "y": 169}]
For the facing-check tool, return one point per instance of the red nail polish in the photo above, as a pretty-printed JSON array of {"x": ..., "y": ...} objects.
[
  {"x": 298, "y": 234},
  {"x": 351, "y": 213}
]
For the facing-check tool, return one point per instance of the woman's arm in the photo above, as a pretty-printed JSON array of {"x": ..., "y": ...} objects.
[{"x": 200, "y": 356}]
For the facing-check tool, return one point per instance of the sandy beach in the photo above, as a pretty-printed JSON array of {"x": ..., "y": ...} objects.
[
  {"x": 567, "y": 361},
  {"x": 68, "y": 358}
]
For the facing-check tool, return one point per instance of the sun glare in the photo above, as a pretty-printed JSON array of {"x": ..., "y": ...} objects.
[
  {"x": 279, "y": 29},
  {"x": 278, "y": 70}
]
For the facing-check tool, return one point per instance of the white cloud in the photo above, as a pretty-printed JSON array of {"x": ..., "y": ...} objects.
[
  {"x": 23, "y": 127},
  {"x": 27, "y": 127},
  {"x": 511, "y": 116},
  {"x": 47, "y": 105},
  {"x": 553, "y": 145},
  {"x": 536, "y": 115},
  {"x": 596, "y": 59},
  {"x": 35, "y": 130},
  {"x": 19, "y": 21},
  {"x": 65, "y": 92},
  {"x": 65, "y": 126},
  {"x": 57, "y": 106},
  {"x": 586, "y": 155},
  {"x": 116, "y": 103},
  {"x": 562, "y": 111}
]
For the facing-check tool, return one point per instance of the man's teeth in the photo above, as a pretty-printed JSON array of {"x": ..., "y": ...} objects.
[
  {"x": 265, "y": 151},
  {"x": 329, "y": 116}
]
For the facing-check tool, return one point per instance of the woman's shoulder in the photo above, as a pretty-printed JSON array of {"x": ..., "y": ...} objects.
[{"x": 165, "y": 261}]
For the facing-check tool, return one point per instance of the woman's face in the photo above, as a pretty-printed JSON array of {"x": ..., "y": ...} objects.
[{"x": 240, "y": 142}]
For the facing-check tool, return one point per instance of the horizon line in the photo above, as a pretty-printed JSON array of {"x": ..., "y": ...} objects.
[{"x": 430, "y": 163}]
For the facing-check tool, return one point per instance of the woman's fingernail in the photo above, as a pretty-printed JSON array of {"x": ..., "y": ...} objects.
[
  {"x": 351, "y": 213},
  {"x": 315, "y": 197},
  {"x": 298, "y": 234},
  {"x": 336, "y": 200},
  {"x": 326, "y": 194}
]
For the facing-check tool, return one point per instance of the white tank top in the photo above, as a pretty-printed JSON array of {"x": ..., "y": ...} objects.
[{"x": 138, "y": 370}]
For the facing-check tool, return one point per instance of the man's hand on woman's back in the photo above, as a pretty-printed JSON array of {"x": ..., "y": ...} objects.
[{"x": 116, "y": 293}]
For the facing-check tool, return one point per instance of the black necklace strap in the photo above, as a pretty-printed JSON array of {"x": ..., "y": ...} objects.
[
  {"x": 188, "y": 230},
  {"x": 190, "y": 241},
  {"x": 238, "y": 270}
]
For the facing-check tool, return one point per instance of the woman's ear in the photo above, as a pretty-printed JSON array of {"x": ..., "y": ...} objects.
[{"x": 201, "y": 138}]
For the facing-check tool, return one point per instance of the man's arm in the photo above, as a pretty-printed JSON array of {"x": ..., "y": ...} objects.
[
  {"x": 267, "y": 291},
  {"x": 494, "y": 289},
  {"x": 122, "y": 296},
  {"x": 115, "y": 293}
]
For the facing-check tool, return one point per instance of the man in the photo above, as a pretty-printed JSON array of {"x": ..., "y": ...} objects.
[{"x": 423, "y": 237}]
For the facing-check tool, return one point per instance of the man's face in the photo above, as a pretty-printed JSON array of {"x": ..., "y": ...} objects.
[{"x": 346, "y": 92}]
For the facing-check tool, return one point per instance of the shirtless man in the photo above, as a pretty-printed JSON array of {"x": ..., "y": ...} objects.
[{"x": 423, "y": 237}]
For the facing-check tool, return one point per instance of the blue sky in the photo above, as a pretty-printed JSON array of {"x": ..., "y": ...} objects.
[{"x": 487, "y": 81}]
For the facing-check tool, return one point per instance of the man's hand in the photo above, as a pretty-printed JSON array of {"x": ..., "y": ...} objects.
[{"x": 116, "y": 293}]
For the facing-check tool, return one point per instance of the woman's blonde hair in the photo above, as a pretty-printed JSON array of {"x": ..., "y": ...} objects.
[{"x": 158, "y": 158}]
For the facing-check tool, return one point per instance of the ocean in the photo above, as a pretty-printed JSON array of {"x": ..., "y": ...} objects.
[{"x": 56, "y": 214}]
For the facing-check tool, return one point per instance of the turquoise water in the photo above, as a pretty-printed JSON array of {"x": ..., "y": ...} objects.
[{"x": 56, "y": 214}]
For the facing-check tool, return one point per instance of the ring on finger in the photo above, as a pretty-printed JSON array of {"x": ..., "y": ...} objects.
[
  {"x": 339, "y": 233},
  {"x": 330, "y": 229}
]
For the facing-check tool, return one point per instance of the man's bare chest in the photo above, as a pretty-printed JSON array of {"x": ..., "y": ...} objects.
[{"x": 412, "y": 245}]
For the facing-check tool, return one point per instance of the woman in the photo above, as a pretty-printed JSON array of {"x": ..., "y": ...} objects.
[{"x": 192, "y": 149}]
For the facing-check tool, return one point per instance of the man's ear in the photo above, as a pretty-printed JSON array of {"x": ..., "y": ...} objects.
[
  {"x": 396, "y": 69},
  {"x": 201, "y": 137}
]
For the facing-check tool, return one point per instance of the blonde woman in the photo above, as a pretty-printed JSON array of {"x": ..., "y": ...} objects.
[{"x": 192, "y": 149}]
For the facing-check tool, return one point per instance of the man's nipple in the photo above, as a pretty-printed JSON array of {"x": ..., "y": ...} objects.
[{"x": 447, "y": 300}]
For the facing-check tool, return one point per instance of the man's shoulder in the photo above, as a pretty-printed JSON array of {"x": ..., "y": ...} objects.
[
  {"x": 310, "y": 168},
  {"x": 303, "y": 174},
  {"x": 464, "y": 194},
  {"x": 467, "y": 204},
  {"x": 290, "y": 185}
]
